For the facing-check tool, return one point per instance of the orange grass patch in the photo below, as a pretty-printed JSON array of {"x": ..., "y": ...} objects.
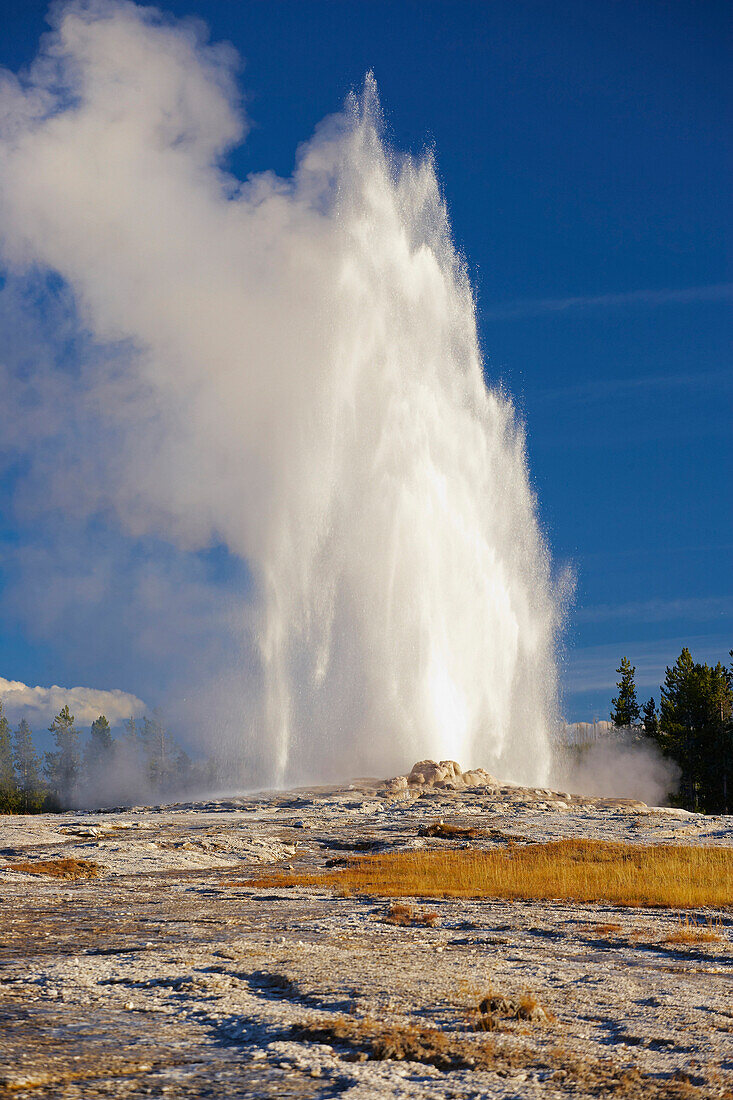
[
  {"x": 58, "y": 868},
  {"x": 606, "y": 929},
  {"x": 690, "y": 931},
  {"x": 675, "y": 876}
]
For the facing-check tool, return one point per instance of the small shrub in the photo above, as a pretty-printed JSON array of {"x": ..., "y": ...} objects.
[
  {"x": 401, "y": 1042},
  {"x": 496, "y": 1006},
  {"x": 408, "y": 916},
  {"x": 449, "y": 832}
]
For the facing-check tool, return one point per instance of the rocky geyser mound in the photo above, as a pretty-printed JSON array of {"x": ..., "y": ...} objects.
[{"x": 445, "y": 775}]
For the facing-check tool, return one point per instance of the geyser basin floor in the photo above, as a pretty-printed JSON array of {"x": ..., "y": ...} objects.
[{"x": 162, "y": 976}]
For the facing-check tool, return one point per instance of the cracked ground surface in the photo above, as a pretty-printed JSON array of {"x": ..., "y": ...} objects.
[{"x": 163, "y": 976}]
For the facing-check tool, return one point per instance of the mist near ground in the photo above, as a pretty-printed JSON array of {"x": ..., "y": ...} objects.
[{"x": 618, "y": 765}]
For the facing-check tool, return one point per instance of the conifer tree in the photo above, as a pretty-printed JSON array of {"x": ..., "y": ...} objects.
[
  {"x": 697, "y": 703},
  {"x": 28, "y": 770},
  {"x": 651, "y": 718},
  {"x": 8, "y": 788},
  {"x": 131, "y": 733},
  {"x": 184, "y": 771},
  {"x": 62, "y": 766},
  {"x": 625, "y": 707},
  {"x": 99, "y": 751},
  {"x": 130, "y": 745},
  {"x": 159, "y": 747}
]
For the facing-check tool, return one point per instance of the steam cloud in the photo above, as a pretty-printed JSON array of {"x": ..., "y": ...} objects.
[
  {"x": 285, "y": 368},
  {"x": 622, "y": 769}
]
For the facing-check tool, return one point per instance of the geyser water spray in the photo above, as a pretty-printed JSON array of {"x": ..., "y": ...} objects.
[{"x": 297, "y": 376}]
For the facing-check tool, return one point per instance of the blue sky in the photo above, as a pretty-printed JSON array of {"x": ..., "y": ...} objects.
[{"x": 585, "y": 154}]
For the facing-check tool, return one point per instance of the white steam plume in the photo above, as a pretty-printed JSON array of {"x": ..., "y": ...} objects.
[
  {"x": 620, "y": 766},
  {"x": 296, "y": 374}
]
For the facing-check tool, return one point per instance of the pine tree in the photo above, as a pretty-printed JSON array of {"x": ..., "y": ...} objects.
[
  {"x": 697, "y": 704},
  {"x": 9, "y": 799},
  {"x": 62, "y": 767},
  {"x": 130, "y": 751},
  {"x": 715, "y": 738},
  {"x": 132, "y": 737},
  {"x": 677, "y": 723},
  {"x": 159, "y": 747},
  {"x": 651, "y": 718},
  {"x": 184, "y": 772},
  {"x": 28, "y": 770},
  {"x": 625, "y": 707},
  {"x": 99, "y": 752}
]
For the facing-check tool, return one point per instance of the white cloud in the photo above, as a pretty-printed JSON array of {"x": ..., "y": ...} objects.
[
  {"x": 42, "y": 703},
  {"x": 537, "y": 307},
  {"x": 593, "y": 668},
  {"x": 601, "y": 389},
  {"x": 657, "y": 611}
]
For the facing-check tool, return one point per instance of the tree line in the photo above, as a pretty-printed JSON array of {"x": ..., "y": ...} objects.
[
  {"x": 693, "y": 726},
  {"x": 144, "y": 762}
]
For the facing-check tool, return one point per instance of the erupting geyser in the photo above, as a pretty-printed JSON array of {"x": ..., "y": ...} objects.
[{"x": 296, "y": 375}]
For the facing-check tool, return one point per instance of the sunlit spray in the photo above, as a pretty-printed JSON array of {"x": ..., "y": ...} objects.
[{"x": 301, "y": 381}]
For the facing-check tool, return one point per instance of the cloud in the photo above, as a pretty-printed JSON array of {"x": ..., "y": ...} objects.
[
  {"x": 600, "y": 389},
  {"x": 42, "y": 703},
  {"x": 593, "y": 668},
  {"x": 538, "y": 307},
  {"x": 657, "y": 611}
]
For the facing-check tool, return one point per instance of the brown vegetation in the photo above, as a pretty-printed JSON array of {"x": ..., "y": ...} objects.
[
  {"x": 408, "y": 915},
  {"x": 606, "y": 929},
  {"x": 368, "y": 1038},
  {"x": 575, "y": 870},
  {"x": 446, "y": 831},
  {"x": 691, "y": 932},
  {"x": 400, "y": 1042},
  {"x": 495, "y": 1007},
  {"x": 58, "y": 868}
]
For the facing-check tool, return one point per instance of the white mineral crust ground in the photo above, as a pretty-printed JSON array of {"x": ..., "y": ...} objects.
[{"x": 162, "y": 977}]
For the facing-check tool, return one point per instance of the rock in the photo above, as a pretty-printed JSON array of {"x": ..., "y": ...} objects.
[
  {"x": 428, "y": 773},
  {"x": 443, "y": 775},
  {"x": 394, "y": 786},
  {"x": 479, "y": 777}
]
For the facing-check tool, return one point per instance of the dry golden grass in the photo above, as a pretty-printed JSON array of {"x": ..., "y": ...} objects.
[
  {"x": 408, "y": 916},
  {"x": 691, "y": 932},
  {"x": 569, "y": 870},
  {"x": 58, "y": 868},
  {"x": 606, "y": 929}
]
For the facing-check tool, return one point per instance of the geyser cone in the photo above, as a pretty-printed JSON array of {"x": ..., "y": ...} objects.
[{"x": 302, "y": 382}]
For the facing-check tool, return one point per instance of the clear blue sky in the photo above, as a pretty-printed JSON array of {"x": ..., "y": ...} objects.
[{"x": 585, "y": 153}]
